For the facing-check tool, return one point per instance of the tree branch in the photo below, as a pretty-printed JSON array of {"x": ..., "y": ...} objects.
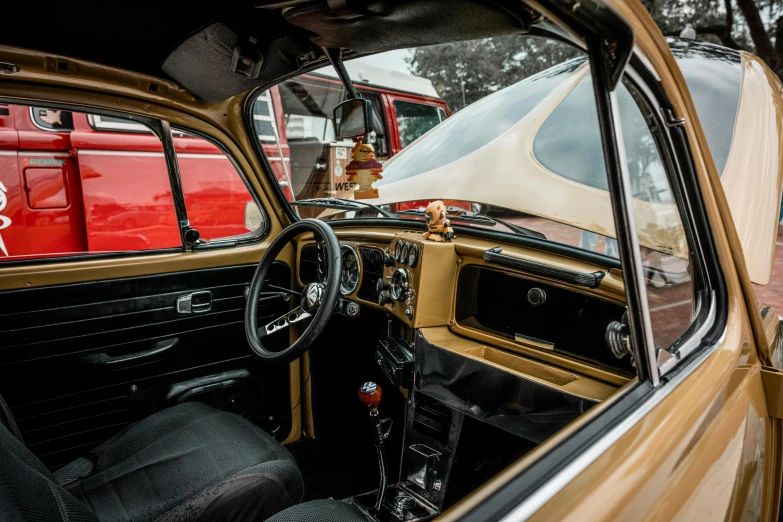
[{"x": 760, "y": 38}]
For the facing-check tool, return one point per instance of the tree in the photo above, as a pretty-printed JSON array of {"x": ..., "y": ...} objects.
[
  {"x": 751, "y": 25},
  {"x": 465, "y": 72}
]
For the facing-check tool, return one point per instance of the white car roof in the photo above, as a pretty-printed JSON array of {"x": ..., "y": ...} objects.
[{"x": 379, "y": 77}]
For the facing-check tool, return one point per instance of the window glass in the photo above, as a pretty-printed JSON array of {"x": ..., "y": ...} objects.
[
  {"x": 568, "y": 145},
  {"x": 112, "y": 123},
  {"x": 666, "y": 257},
  {"x": 414, "y": 120},
  {"x": 218, "y": 203},
  {"x": 52, "y": 119},
  {"x": 714, "y": 78},
  {"x": 107, "y": 191},
  {"x": 264, "y": 118}
]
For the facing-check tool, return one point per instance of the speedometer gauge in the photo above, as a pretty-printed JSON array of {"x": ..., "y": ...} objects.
[
  {"x": 349, "y": 279},
  {"x": 413, "y": 255},
  {"x": 398, "y": 251}
]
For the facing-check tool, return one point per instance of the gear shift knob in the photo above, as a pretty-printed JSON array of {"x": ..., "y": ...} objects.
[{"x": 370, "y": 395}]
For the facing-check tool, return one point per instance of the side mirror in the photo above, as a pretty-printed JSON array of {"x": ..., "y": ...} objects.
[{"x": 353, "y": 118}]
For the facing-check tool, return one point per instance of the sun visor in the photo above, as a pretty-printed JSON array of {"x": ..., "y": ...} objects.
[
  {"x": 216, "y": 62},
  {"x": 384, "y": 25}
]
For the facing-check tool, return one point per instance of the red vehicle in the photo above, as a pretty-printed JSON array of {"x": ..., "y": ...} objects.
[{"x": 74, "y": 182}]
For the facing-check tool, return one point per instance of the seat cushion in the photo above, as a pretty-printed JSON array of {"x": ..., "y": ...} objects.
[
  {"x": 322, "y": 511},
  {"x": 184, "y": 460}
]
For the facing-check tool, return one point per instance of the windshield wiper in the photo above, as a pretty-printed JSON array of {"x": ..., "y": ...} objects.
[
  {"x": 342, "y": 204},
  {"x": 460, "y": 214}
]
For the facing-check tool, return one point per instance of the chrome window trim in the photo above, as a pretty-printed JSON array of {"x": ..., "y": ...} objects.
[{"x": 554, "y": 485}]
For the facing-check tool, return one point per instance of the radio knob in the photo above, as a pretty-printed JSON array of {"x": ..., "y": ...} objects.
[
  {"x": 384, "y": 298},
  {"x": 388, "y": 260}
]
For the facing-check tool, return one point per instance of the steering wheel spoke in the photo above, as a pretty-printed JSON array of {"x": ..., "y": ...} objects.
[{"x": 284, "y": 321}]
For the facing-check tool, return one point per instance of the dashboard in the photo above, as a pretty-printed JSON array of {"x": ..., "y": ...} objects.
[{"x": 528, "y": 302}]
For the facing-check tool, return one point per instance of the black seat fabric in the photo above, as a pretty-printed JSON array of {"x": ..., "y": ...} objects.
[
  {"x": 188, "y": 462},
  {"x": 322, "y": 511}
]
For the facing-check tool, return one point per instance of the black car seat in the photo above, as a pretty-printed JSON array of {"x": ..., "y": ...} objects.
[{"x": 185, "y": 463}]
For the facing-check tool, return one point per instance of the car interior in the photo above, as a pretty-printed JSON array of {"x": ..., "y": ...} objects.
[{"x": 354, "y": 371}]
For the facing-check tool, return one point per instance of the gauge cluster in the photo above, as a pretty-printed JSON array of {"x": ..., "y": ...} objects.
[{"x": 406, "y": 253}]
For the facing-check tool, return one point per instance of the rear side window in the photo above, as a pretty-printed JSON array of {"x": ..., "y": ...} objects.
[
  {"x": 415, "y": 119},
  {"x": 218, "y": 203}
]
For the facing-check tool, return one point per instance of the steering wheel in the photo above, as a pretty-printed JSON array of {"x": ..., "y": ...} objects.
[{"x": 316, "y": 302}]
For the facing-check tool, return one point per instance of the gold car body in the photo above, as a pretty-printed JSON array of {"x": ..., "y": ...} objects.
[{"x": 706, "y": 445}]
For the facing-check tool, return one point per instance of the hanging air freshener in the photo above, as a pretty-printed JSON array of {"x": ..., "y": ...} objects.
[{"x": 364, "y": 170}]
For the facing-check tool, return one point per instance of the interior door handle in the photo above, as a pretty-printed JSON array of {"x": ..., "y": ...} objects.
[
  {"x": 195, "y": 303},
  {"x": 114, "y": 362}
]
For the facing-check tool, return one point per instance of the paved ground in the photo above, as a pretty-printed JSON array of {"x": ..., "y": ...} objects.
[{"x": 772, "y": 294}]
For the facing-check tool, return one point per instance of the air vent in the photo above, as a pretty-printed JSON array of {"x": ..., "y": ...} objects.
[{"x": 372, "y": 270}]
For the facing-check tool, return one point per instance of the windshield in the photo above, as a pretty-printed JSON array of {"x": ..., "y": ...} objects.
[{"x": 503, "y": 130}]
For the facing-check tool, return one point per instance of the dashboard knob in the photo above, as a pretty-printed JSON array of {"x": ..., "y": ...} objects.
[
  {"x": 352, "y": 309},
  {"x": 388, "y": 260},
  {"x": 382, "y": 285},
  {"x": 384, "y": 297}
]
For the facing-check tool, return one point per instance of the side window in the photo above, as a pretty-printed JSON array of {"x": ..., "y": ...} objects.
[
  {"x": 568, "y": 145},
  {"x": 218, "y": 203},
  {"x": 89, "y": 191},
  {"x": 666, "y": 257},
  {"x": 264, "y": 118},
  {"x": 414, "y": 120}
]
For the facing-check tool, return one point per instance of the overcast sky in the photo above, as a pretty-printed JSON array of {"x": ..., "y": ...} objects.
[{"x": 393, "y": 60}]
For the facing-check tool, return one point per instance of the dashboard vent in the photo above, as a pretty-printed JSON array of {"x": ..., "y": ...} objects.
[{"x": 372, "y": 270}]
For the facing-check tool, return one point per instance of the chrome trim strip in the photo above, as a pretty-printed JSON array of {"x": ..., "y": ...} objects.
[{"x": 545, "y": 493}]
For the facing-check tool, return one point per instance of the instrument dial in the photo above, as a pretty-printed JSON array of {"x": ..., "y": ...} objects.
[
  {"x": 349, "y": 279},
  {"x": 398, "y": 251},
  {"x": 413, "y": 255},
  {"x": 405, "y": 250}
]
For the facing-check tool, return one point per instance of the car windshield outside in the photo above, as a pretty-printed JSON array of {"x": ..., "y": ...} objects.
[{"x": 516, "y": 149}]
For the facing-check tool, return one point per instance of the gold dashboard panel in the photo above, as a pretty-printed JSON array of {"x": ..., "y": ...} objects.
[{"x": 432, "y": 286}]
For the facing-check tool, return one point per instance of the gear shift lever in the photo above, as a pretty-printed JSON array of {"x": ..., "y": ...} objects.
[{"x": 370, "y": 395}]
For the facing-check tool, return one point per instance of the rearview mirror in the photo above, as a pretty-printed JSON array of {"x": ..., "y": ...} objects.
[{"x": 352, "y": 118}]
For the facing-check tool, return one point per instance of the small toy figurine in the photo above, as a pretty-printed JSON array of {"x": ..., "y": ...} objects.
[
  {"x": 364, "y": 170},
  {"x": 438, "y": 224}
]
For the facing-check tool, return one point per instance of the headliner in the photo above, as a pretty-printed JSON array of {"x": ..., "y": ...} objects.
[{"x": 130, "y": 35}]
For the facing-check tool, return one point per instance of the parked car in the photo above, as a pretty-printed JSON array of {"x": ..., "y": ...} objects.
[{"x": 594, "y": 352}]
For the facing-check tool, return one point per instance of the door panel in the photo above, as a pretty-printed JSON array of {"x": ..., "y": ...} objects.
[{"x": 79, "y": 362}]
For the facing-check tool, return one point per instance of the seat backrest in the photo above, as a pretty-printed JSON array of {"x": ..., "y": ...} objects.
[{"x": 28, "y": 490}]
